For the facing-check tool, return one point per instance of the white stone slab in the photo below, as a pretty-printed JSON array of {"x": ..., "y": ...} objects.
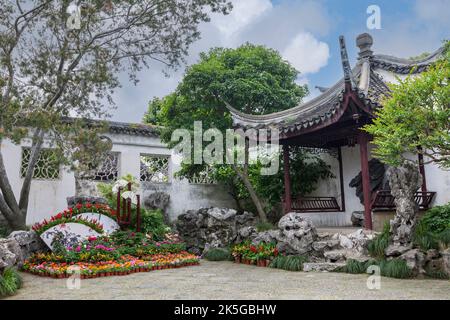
[
  {"x": 109, "y": 225},
  {"x": 72, "y": 232}
]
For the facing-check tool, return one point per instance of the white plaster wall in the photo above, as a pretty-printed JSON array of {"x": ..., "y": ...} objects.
[
  {"x": 48, "y": 197},
  {"x": 438, "y": 180}
]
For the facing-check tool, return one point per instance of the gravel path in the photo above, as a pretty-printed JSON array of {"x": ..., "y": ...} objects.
[{"x": 227, "y": 280}]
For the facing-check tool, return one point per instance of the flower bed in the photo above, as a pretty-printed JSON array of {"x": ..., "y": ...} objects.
[
  {"x": 124, "y": 265},
  {"x": 259, "y": 255},
  {"x": 121, "y": 253}
]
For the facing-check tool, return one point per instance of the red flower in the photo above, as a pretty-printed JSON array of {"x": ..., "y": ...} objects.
[
  {"x": 253, "y": 249},
  {"x": 88, "y": 205},
  {"x": 79, "y": 206}
]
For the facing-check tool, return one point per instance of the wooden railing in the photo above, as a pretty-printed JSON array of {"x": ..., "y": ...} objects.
[
  {"x": 384, "y": 200},
  {"x": 314, "y": 204}
]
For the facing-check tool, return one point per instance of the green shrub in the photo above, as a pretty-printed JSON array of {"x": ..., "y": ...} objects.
[
  {"x": 289, "y": 263},
  {"x": 152, "y": 222},
  {"x": 10, "y": 282},
  {"x": 395, "y": 268},
  {"x": 437, "y": 219},
  {"x": 264, "y": 226},
  {"x": 356, "y": 267},
  {"x": 424, "y": 238},
  {"x": 378, "y": 245},
  {"x": 217, "y": 254},
  {"x": 444, "y": 238}
]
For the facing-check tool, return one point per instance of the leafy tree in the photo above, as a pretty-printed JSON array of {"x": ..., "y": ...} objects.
[
  {"x": 53, "y": 66},
  {"x": 254, "y": 79},
  {"x": 416, "y": 117},
  {"x": 306, "y": 171}
]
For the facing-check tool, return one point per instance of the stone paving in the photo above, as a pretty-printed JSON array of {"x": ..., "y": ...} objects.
[{"x": 227, "y": 280}]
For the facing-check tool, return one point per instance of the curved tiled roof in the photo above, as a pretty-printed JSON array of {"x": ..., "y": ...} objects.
[
  {"x": 404, "y": 66},
  {"x": 371, "y": 90}
]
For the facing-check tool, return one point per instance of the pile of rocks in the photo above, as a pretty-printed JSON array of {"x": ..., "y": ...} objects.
[
  {"x": 18, "y": 246},
  {"x": 211, "y": 227}
]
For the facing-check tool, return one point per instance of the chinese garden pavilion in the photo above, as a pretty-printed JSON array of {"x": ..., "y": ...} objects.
[{"x": 335, "y": 118}]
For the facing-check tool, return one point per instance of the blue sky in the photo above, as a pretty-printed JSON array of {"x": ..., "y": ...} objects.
[{"x": 306, "y": 33}]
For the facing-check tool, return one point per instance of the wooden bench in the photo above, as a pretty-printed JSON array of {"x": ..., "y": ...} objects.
[
  {"x": 383, "y": 200},
  {"x": 314, "y": 204}
]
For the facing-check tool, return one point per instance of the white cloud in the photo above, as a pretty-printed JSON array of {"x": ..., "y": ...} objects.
[
  {"x": 306, "y": 53},
  {"x": 243, "y": 14},
  {"x": 254, "y": 21}
]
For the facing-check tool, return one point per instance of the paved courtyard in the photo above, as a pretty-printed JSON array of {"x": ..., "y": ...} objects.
[{"x": 227, "y": 280}]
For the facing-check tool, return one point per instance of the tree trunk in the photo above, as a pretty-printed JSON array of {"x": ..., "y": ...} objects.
[{"x": 256, "y": 201}]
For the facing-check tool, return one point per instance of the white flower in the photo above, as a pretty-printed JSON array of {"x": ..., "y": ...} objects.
[
  {"x": 130, "y": 195},
  {"x": 119, "y": 184}
]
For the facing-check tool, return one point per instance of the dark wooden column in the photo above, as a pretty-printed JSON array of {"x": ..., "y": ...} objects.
[
  {"x": 422, "y": 170},
  {"x": 341, "y": 179},
  {"x": 365, "y": 175},
  {"x": 287, "y": 180}
]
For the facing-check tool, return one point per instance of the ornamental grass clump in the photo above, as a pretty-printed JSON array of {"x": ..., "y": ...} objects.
[
  {"x": 289, "y": 263},
  {"x": 378, "y": 245},
  {"x": 395, "y": 268},
  {"x": 217, "y": 254},
  {"x": 10, "y": 282}
]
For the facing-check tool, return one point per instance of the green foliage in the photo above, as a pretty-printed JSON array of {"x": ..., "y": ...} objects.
[
  {"x": 217, "y": 254},
  {"x": 395, "y": 268},
  {"x": 264, "y": 226},
  {"x": 253, "y": 79},
  {"x": 423, "y": 238},
  {"x": 356, "y": 267},
  {"x": 152, "y": 221},
  {"x": 433, "y": 230},
  {"x": 289, "y": 263},
  {"x": 437, "y": 219},
  {"x": 10, "y": 282},
  {"x": 377, "y": 245},
  {"x": 416, "y": 115}
]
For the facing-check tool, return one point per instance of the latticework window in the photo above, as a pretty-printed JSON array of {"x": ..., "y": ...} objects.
[
  {"x": 154, "y": 168},
  {"x": 47, "y": 166},
  {"x": 109, "y": 169},
  {"x": 203, "y": 177}
]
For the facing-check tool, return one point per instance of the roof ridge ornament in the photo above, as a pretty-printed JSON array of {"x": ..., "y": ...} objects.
[
  {"x": 364, "y": 42},
  {"x": 348, "y": 75}
]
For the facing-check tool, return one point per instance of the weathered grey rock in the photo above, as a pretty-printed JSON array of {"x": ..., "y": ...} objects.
[
  {"x": 211, "y": 227},
  {"x": 446, "y": 260},
  {"x": 10, "y": 253},
  {"x": 432, "y": 254},
  {"x": 321, "y": 266},
  {"x": 269, "y": 236},
  {"x": 357, "y": 218},
  {"x": 29, "y": 242},
  {"x": 335, "y": 255},
  {"x": 325, "y": 245},
  {"x": 395, "y": 250},
  {"x": 377, "y": 173},
  {"x": 415, "y": 259},
  {"x": 246, "y": 233},
  {"x": 296, "y": 235},
  {"x": 157, "y": 200},
  {"x": 404, "y": 182}
]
